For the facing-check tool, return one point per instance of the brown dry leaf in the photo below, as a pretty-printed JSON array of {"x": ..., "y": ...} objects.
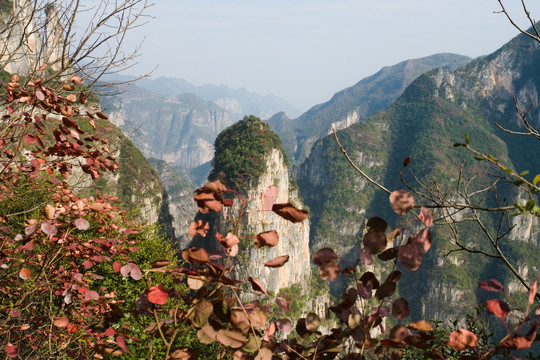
[
  {"x": 290, "y": 213},
  {"x": 207, "y": 334},
  {"x": 231, "y": 338},
  {"x": 258, "y": 317},
  {"x": 312, "y": 322},
  {"x": 240, "y": 321},
  {"x": 324, "y": 255},
  {"x": 329, "y": 270},
  {"x": 462, "y": 339},
  {"x": 195, "y": 255},
  {"x": 267, "y": 238},
  {"x": 49, "y": 211},
  {"x": 401, "y": 201},
  {"x": 216, "y": 186},
  {"x": 264, "y": 354},
  {"x": 61, "y": 322},
  {"x": 25, "y": 273},
  {"x": 277, "y": 262},
  {"x": 421, "y": 325},
  {"x": 184, "y": 354},
  {"x": 257, "y": 285},
  {"x": 195, "y": 283},
  {"x": 76, "y": 80},
  {"x": 374, "y": 242}
]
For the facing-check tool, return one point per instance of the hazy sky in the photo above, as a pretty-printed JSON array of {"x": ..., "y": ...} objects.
[{"x": 305, "y": 51}]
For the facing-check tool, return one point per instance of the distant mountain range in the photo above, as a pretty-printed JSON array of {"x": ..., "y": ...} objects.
[
  {"x": 371, "y": 94},
  {"x": 238, "y": 102}
]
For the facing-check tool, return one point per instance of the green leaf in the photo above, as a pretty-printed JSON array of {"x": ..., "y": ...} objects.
[
  {"x": 530, "y": 205},
  {"x": 518, "y": 182},
  {"x": 536, "y": 179},
  {"x": 493, "y": 159},
  {"x": 524, "y": 173},
  {"x": 507, "y": 170},
  {"x": 467, "y": 139},
  {"x": 479, "y": 158},
  {"x": 458, "y": 144}
]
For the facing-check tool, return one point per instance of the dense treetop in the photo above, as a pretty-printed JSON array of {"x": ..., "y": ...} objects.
[{"x": 239, "y": 153}]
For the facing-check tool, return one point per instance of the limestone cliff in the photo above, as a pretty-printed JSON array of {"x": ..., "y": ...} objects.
[
  {"x": 179, "y": 130},
  {"x": 256, "y": 150}
]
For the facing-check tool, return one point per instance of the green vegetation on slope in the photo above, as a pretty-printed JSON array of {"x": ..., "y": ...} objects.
[{"x": 239, "y": 153}]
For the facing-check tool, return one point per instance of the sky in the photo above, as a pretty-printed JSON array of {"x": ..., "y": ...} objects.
[{"x": 305, "y": 51}]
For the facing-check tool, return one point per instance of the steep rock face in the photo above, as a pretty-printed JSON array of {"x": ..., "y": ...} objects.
[
  {"x": 179, "y": 130},
  {"x": 178, "y": 205},
  {"x": 294, "y": 238},
  {"x": 434, "y": 112},
  {"x": 249, "y": 158},
  {"x": 353, "y": 104}
]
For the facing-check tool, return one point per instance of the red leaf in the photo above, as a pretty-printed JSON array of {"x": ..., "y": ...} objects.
[
  {"x": 15, "y": 313},
  {"x": 422, "y": 240},
  {"x": 88, "y": 264},
  {"x": 401, "y": 201},
  {"x": 498, "y": 307},
  {"x": 121, "y": 342},
  {"x": 82, "y": 224},
  {"x": 157, "y": 295},
  {"x": 91, "y": 295},
  {"x": 25, "y": 273},
  {"x": 410, "y": 256},
  {"x": 117, "y": 266},
  {"x": 61, "y": 322},
  {"x": 426, "y": 217},
  {"x": 324, "y": 255},
  {"x": 109, "y": 332},
  {"x": 290, "y": 213},
  {"x": 400, "y": 308},
  {"x": 269, "y": 197},
  {"x": 532, "y": 292},
  {"x": 256, "y": 285},
  {"x": 491, "y": 285},
  {"x": 199, "y": 227},
  {"x": 277, "y": 262},
  {"x": 12, "y": 351},
  {"x": 30, "y": 139},
  {"x": 49, "y": 228},
  {"x": 267, "y": 238},
  {"x": 462, "y": 339}
]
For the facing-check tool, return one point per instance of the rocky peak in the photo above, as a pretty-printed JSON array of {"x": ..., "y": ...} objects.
[{"x": 250, "y": 159}]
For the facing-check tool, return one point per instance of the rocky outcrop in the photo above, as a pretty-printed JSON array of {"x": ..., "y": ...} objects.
[
  {"x": 351, "y": 105},
  {"x": 178, "y": 205},
  {"x": 293, "y": 238},
  {"x": 179, "y": 130}
]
